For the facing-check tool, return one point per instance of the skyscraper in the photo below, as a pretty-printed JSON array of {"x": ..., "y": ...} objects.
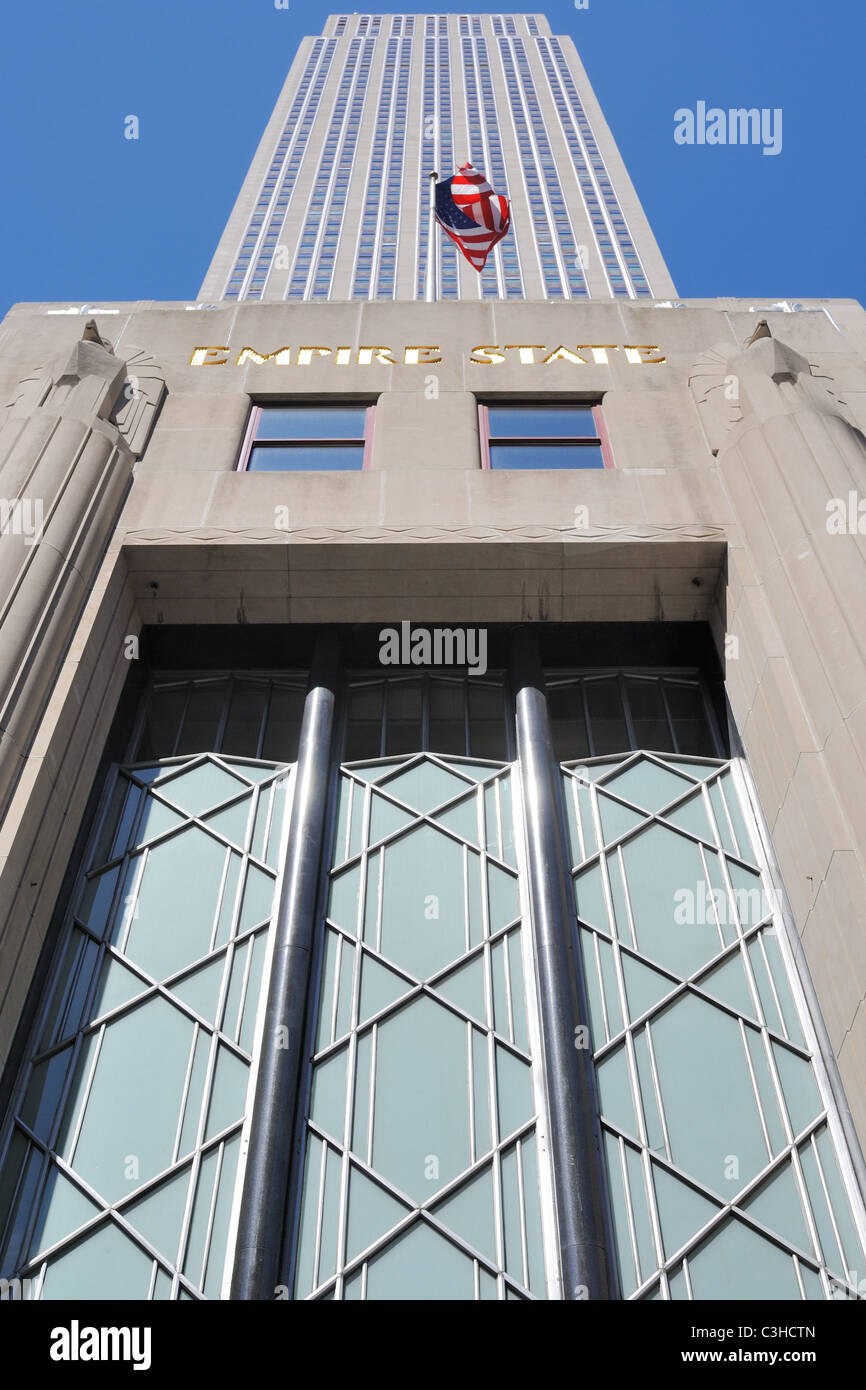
[
  {"x": 335, "y": 203},
  {"x": 432, "y": 853}
]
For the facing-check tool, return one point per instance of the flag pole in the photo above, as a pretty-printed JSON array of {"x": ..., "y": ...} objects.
[{"x": 430, "y": 286}]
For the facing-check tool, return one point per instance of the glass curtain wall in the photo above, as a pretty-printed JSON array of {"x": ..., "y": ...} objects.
[{"x": 423, "y": 1168}]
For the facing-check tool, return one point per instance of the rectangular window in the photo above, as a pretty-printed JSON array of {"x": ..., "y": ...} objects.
[
  {"x": 305, "y": 437},
  {"x": 535, "y": 435}
]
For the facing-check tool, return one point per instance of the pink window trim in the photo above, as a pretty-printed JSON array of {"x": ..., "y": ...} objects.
[
  {"x": 253, "y": 425},
  {"x": 598, "y": 419}
]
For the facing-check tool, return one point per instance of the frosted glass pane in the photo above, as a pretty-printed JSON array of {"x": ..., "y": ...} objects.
[
  {"x": 117, "y": 985},
  {"x": 96, "y": 900},
  {"x": 222, "y": 1214},
  {"x": 308, "y": 1217},
  {"x": 534, "y": 1248},
  {"x": 180, "y": 884},
  {"x": 424, "y": 786},
  {"x": 647, "y": 785},
  {"x": 751, "y": 902},
  {"x": 777, "y": 1205},
  {"x": 779, "y": 973},
  {"x": 736, "y": 1263},
  {"x": 644, "y": 986},
  {"x": 421, "y": 1076},
  {"x": 611, "y": 988},
  {"x": 343, "y": 899},
  {"x": 513, "y": 1091},
  {"x": 379, "y": 987},
  {"x": 63, "y": 1208},
  {"x": 229, "y": 900},
  {"x": 192, "y": 1113},
  {"x": 616, "y": 820},
  {"x": 518, "y": 992},
  {"x": 43, "y": 1093},
  {"x": 502, "y": 889},
  {"x": 157, "y": 819},
  {"x": 615, "y": 1093},
  {"x": 195, "y": 1250},
  {"x": 729, "y": 984},
  {"x": 328, "y": 1104},
  {"x": 619, "y": 1211},
  {"x": 421, "y": 1265},
  {"x": 481, "y": 1094},
  {"x": 798, "y": 1085},
  {"x": 593, "y": 988},
  {"x": 589, "y": 896},
  {"x": 511, "y": 1216},
  {"x": 423, "y": 925},
  {"x": 258, "y": 898},
  {"x": 385, "y": 818},
  {"x": 465, "y": 988},
  {"x": 104, "y": 1265},
  {"x": 648, "y": 1095},
  {"x": 692, "y": 815},
  {"x": 682, "y": 1211},
  {"x": 134, "y": 1103},
  {"x": 666, "y": 878},
  {"x": 851, "y": 1244},
  {"x": 640, "y": 1214},
  {"x": 707, "y": 1094},
  {"x": 159, "y": 1215},
  {"x": 470, "y": 1213},
  {"x": 232, "y": 823},
  {"x": 205, "y": 786},
  {"x": 361, "y": 1119},
  {"x": 228, "y": 1093},
  {"x": 201, "y": 988},
  {"x": 463, "y": 820},
  {"x": 372, "y": 1212}
]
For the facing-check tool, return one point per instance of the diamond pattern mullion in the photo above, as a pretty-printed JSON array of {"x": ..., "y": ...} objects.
[{"x": 724, "y": 1100}]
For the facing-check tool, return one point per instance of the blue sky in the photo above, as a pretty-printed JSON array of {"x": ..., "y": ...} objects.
[{"x": 93, "y": 216}]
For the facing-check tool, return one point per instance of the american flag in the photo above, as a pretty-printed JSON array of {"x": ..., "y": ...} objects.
[{"x": 472, "y": 214}]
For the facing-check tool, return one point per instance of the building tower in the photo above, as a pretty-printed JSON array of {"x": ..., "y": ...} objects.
[{"x": 335, "y": 203}]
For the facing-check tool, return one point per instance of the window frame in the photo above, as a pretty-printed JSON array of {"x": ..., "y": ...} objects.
[
  {"x": 255, "y": 415},
  {"x": 601, "y": 435}
]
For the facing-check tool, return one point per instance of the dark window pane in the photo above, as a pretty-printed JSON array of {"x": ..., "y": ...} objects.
[
  {"x": 202, "y": 719},
  {"x": 648, "y": 716},
  {"x": 447, "y": 724},
  {"x": 520, "y": 421},
  {"x": 486, "y": 722},
  {"x": 606, "y": 718},
  {"x": 244, "y": 722},
  {"x": 313, "y": 458},
  {"x": 311, "y": 422},
  {"x": 364, "y": 724},
  {"x": 403, "y": 722},
  {"x": 283, "y": 725},
  {"x": 546, "y": 456},
  {"x": 690, "y": 720},
  {"x": 568, "y": 725},
  {"x": 164, "y": 713}
]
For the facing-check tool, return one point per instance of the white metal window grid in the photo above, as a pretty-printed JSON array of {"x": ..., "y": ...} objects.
[
  {"x": 272, "y": 202},
  {"x": 585, "y": 173},
  {"x": 435, "y": 102},
  {"x": 228, "y": 683},
  {"x": 663, "y": 678},
  {"x": 610, "y": 203},
  {"x": 392, "y": 203},
  {"x": 507, "y": 252},
  {"x": 547, "y": 243},
  {"x": 481, "y": 139},
  {"x": 590, "y": 775},
  {"x": 509, "y": 855},
  {"x": 272, "y": 791},
  {"x": 333, "y": 230},
  {"x": 382, "y": 202},
  {"x": 574, "y": 276},
  {"x": 392, "y": 685},
  {"x": 321, "y": 187},
  {"x": 338, "y": 147}
]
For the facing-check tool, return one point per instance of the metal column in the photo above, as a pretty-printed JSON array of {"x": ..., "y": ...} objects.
[
  {"x": 266, "y": 1179},
  {"x": 579, "y": 1177}
]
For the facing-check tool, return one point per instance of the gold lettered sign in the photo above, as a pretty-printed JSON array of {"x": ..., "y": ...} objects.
[{"x": 424, "y": 354}]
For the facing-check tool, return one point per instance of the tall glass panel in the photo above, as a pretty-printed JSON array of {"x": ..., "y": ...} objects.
[
  {"x": 727, "y": 1180},
  {"x": 421, "y": 1167},
  {"x": 121, "y": 1153}
]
